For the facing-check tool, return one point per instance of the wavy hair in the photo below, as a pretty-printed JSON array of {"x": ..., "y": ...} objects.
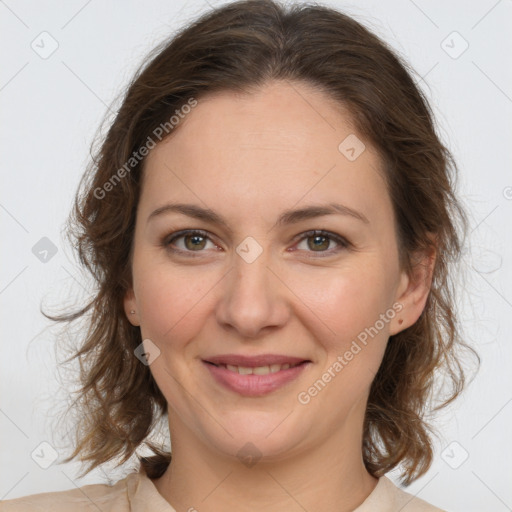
[{"x": 240, "y": 47}]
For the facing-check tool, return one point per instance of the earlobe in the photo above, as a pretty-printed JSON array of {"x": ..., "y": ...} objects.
[{"x": 130, "y": 308}]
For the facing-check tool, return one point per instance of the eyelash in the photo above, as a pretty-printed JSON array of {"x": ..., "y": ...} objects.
[{"x": 343, "y": 243}]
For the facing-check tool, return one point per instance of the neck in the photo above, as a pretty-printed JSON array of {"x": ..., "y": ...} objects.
[{"x": 328, "y": 476}]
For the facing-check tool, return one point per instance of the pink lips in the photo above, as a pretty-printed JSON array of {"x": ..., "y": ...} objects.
[{"x": 254, "y": 385}]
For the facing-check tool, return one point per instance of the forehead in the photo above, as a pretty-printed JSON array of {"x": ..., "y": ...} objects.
[{"x": 282, "y": 144}]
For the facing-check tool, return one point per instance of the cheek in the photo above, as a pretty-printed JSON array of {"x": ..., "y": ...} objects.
[
  {"x": 345, "y": 300},
  {"x": 347, "y": 305},
  {"x": 169, "y": 301}
]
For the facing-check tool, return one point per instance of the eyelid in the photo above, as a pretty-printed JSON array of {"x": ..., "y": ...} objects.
[{"x": 342, "y": 242}]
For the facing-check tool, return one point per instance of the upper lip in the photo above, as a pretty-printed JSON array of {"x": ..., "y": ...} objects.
[{"x": 254, "y": 361}]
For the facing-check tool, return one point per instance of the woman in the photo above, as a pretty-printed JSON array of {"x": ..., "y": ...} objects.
[{"x": 271, "y": 222}]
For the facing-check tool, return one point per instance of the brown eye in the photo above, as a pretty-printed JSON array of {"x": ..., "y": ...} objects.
[
  {"x": 187, "y": 241},
  {"x": 318, "y": 242},
  {"x": 322, "y": 242},
  {"x": 194, "y": 242}
]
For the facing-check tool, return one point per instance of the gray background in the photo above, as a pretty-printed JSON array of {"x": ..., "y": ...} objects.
[{"x": 51, "y": 107}]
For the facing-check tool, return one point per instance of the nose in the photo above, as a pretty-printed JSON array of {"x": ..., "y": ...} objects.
[{"x": 253, "y": 299}]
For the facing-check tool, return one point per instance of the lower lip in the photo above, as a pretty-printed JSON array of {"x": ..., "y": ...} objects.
[{"x": 255, "y": 385}]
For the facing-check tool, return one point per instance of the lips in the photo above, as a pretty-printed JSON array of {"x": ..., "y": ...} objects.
[{"x": 255, "y": 375}]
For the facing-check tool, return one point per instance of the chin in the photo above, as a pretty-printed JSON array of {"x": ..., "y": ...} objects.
[{"x": 255, "y": 438}]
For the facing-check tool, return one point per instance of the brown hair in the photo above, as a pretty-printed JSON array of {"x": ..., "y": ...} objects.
[{"x": 239, "y": 47}]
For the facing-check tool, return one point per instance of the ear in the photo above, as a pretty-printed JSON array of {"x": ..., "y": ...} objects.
[
  {"x": 130, "y": 307},
  {"x": 413, "y": 290}
]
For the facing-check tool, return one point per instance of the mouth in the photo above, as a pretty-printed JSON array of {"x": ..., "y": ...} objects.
[
  {"x": 257, "y": 370},
  {"x": 255, "y": 375}
]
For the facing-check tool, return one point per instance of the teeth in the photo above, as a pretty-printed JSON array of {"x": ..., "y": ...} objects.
[
  {"x": 242, "y": 370},
  {"x": 258, "y": 370}
]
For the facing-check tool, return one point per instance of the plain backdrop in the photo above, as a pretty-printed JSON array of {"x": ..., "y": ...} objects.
[{"x": 64, "y": 63}]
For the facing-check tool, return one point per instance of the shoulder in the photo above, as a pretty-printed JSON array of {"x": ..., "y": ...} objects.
[
  {"x": 93, "y": 497},
  {"x": 387, "y": 497},
  {"x": 410, "y": 503}
]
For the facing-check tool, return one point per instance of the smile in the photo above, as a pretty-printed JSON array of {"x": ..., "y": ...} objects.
[
  {"x": 256, "y": 380},
  {"x": 257, "y": 370}
]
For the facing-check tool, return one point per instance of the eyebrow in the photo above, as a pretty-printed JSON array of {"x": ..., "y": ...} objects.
[{"x": 286, "y": 218}]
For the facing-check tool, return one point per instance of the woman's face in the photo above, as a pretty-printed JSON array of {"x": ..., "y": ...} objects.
[{"x": 254, "y": 282}]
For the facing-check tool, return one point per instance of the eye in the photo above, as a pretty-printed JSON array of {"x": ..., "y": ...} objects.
[
  {"x": 320, "y": 241},
  {"x": 193, "y": 241}
]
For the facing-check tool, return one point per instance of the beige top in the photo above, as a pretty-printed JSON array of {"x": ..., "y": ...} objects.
[{"x": 137, "y": 493}]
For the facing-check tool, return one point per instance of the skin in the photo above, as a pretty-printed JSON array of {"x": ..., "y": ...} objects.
[{"x": 249, "y": 158}]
